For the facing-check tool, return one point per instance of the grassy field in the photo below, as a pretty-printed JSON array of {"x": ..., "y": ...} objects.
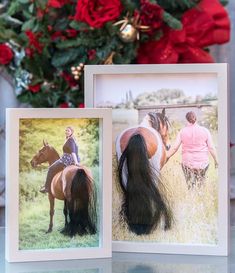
[{"x": 34, "y": 217}]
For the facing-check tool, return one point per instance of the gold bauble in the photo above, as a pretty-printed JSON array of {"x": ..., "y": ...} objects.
[{"x": 128, "y": 33}]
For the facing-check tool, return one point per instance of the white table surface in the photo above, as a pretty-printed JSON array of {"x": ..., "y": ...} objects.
[{"x": 127, "y": 263}]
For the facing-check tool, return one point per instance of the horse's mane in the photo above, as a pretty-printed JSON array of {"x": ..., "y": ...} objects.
[
  {"x": 54, "y": 150},
  {"x": 156, "y": 119}
]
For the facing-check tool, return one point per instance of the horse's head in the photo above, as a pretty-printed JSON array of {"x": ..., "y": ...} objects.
[
  {"x": 160, "y": 123},
  {"x": 43, "y": 155}
]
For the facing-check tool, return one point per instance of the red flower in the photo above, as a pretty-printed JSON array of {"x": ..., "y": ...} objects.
[
  {"x": 33, "y": 41},
  {"x": 41, "y": 12},
  {"x": 49, "y": 28},
  {"x": 57, "y": 4},
  {"x": 71, "y": 33},
  {"x": 203, "y": 26},
  {"x": 69, "y": 79},
  {"x": 91, "y": 54},
  {"x": 6, "y": 54},
  {"x": 151, "y": 15},
  {"x": 34, "y": 88},
  {"x": 97, "y": 12},
  {"x": 64, "y": 105},
  {"x": 58, "y": 34},
  {"x": 81, "y": 105},
  {"x": 29, "y": 52}
]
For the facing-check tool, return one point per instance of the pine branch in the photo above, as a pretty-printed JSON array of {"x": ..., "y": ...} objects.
[{"x": 171, "y": 21}]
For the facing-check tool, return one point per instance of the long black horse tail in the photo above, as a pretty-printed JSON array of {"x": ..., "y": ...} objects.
[
  {"x": 144, "y": 203},
  {"x": 82, "y": 206}
]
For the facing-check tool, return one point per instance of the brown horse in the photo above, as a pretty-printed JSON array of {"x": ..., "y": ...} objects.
[
  {"x": 75, "y": 186},
  {"x": 141, "y": 153}
]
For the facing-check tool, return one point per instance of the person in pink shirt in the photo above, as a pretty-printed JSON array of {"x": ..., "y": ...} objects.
[{"x": 197, "y": 144}]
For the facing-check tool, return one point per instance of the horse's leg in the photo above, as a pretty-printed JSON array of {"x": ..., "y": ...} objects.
[
  {"x": 65, "y": 214},
  {"x": 52, "y": 204}
]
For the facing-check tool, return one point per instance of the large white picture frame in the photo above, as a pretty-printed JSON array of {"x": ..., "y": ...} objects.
[
  {"x": 27, "y": 210},
  {"x": 202, "y": 88}
]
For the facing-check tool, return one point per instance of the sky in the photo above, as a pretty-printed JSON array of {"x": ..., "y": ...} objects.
[{"x": 113, "y": 88}]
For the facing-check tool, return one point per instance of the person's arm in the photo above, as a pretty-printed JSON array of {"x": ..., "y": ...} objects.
[
  {"x": 75, "y": 159},
  {"x": 174, "y": 148},
  {"x": 211, "y": 149}
]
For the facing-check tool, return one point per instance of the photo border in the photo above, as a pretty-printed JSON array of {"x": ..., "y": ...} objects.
[
  {"x": 222, "y": 248},
  {"x": 12, "y": 252}
]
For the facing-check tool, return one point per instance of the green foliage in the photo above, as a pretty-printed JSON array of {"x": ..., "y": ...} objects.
[
  {"x": 210, "y": 118},
  {"x": 171, "y": 21},
  {"x": 63, "y": 58},
  {"x": 176, "y": 4}
]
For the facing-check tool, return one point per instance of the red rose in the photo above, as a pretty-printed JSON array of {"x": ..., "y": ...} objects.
[
  {"x": 150, "y": 15},
  {"x": 34, "y": 88},
  {"x": 97, "y": 12},
  {"x": 6, "y": 54}
]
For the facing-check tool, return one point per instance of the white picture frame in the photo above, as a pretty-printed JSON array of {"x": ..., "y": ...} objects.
[
  {"x": 115, "y": 86},
  {"x": 89, "y": 246}
]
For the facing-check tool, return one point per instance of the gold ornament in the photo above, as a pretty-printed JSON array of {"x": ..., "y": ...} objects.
[
  {"x": 130, "y": 28},
  {"x": 128, "y": 34},
  {"x": 77, "y": 71}
]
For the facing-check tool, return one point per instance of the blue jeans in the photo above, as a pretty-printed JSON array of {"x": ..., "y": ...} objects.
[{"x": 56, "y": 167}]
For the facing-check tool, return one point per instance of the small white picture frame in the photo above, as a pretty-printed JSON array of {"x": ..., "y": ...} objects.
[
  {"x": 32, "y": 135},
  {"x": 132, "y": 91}
]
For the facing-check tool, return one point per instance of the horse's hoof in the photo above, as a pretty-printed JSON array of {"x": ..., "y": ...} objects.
[{"x": 49, "y": 231}]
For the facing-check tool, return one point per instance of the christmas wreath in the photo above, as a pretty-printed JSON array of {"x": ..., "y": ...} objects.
[{"x": 45, "y": 44}]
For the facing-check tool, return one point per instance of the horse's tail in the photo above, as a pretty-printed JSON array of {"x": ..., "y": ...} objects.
[
  {"x": 82, "y": 205},
  {"x": 144, "y": 204}
]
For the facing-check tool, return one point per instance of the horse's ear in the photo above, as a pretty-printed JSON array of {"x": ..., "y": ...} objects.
[
  {"x": 45, "y": 143},
  {"x": 163, "y": 111}
]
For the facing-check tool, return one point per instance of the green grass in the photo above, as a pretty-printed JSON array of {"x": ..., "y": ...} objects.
[{"x": 34, "y": 217}]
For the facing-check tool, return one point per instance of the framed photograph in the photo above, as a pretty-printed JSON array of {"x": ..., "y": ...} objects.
[
  {"x": 58, "y": 190},
  {"x": 170, "y": 155}
]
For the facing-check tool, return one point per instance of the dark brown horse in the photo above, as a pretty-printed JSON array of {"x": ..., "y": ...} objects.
[
  {"x": 141, "y": 153},
  {"x": 75, "y": 186}
]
